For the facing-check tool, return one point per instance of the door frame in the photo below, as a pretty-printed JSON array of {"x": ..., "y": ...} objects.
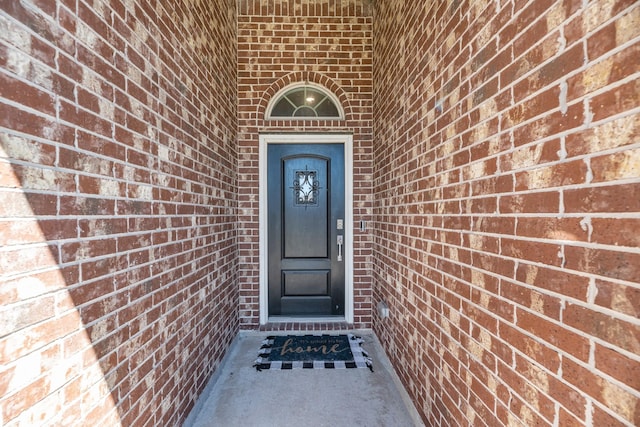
[{"x": 306, "y": 138}]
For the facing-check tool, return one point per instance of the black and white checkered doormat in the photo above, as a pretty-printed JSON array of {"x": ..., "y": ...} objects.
[{"x": 313, "y": 352}]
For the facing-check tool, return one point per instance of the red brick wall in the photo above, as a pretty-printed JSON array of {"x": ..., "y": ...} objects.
[
  {"x": 507, "y": 200},
  {"x": 117, "y": 208},
  {"x": 283, "y": 42}
]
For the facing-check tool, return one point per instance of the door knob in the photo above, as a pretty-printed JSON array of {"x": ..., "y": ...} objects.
[{"x": 340, "y": 243}]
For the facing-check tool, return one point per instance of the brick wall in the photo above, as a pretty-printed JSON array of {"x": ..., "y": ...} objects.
[
  {"x": 292, "y": 41},
  {"x": 507, "y": 200},
  {"x": 117, "y": 208}
]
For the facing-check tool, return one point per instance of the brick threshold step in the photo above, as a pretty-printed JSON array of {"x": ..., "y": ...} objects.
[{"x": 306, "y": 326}]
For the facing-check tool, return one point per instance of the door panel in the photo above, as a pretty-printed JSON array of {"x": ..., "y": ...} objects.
[
  {"x": 305, "y": 207},
  {"x": 310, "y": 282},
  {"x": 305, "y": 185}
]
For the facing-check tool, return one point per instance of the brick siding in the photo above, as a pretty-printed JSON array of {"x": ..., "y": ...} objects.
[
  {"x": 285, "y": 42},
  {"x": 496, "y": 159},
  {"x": 507, "y": 200},
  {"x": 118, "y": 206}
]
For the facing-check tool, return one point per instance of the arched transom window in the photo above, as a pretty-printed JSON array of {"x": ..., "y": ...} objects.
[{"x": 304, "y": 101}]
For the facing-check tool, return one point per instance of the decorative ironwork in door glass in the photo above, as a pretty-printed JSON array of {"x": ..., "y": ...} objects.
[{"x": 305, "y": 188}]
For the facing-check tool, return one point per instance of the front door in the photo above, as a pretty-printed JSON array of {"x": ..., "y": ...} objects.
[{"x": 306, "y": 220}]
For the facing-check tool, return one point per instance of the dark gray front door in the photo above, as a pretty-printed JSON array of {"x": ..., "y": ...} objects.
[{"x": 306, "y": 195}]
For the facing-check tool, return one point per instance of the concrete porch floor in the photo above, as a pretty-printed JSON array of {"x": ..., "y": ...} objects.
[{"x": 238, "y": 395}]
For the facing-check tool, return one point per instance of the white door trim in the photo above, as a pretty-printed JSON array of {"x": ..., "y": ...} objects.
[{"x": 347, "y": 140}]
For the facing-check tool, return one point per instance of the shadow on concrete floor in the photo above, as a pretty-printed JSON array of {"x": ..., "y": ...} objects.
[{"x": 238, "y": 395}]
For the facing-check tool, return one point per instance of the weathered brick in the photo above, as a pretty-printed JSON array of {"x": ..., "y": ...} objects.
[
  {"x": 615, "y": 101},
  {"x": 607, "y": 71},
  {"x": 614, "y": 363},
  {"x": 531, "y": 299},
  {"x": 547, "y": 74},
  {"x": 622, "y": 198},
  {"x": 547, "y": 202},
  {"x": 521, "y": 381},
  {"x": 554, "y": 333},
  {"x": 560, "y": 281},
  {"x": 552, "y": 228},
  {"x": 608, "y": 328},
  {"x": 609, "y": 394},
  {"x": 607, "y": 264},
  {"x": 621, "y": 298}
]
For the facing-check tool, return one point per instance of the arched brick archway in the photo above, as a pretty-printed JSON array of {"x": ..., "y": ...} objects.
[{"x": 310, "y": 77}]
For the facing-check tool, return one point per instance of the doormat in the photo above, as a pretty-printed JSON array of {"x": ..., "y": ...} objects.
[{"x": 313, "y": 352}]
